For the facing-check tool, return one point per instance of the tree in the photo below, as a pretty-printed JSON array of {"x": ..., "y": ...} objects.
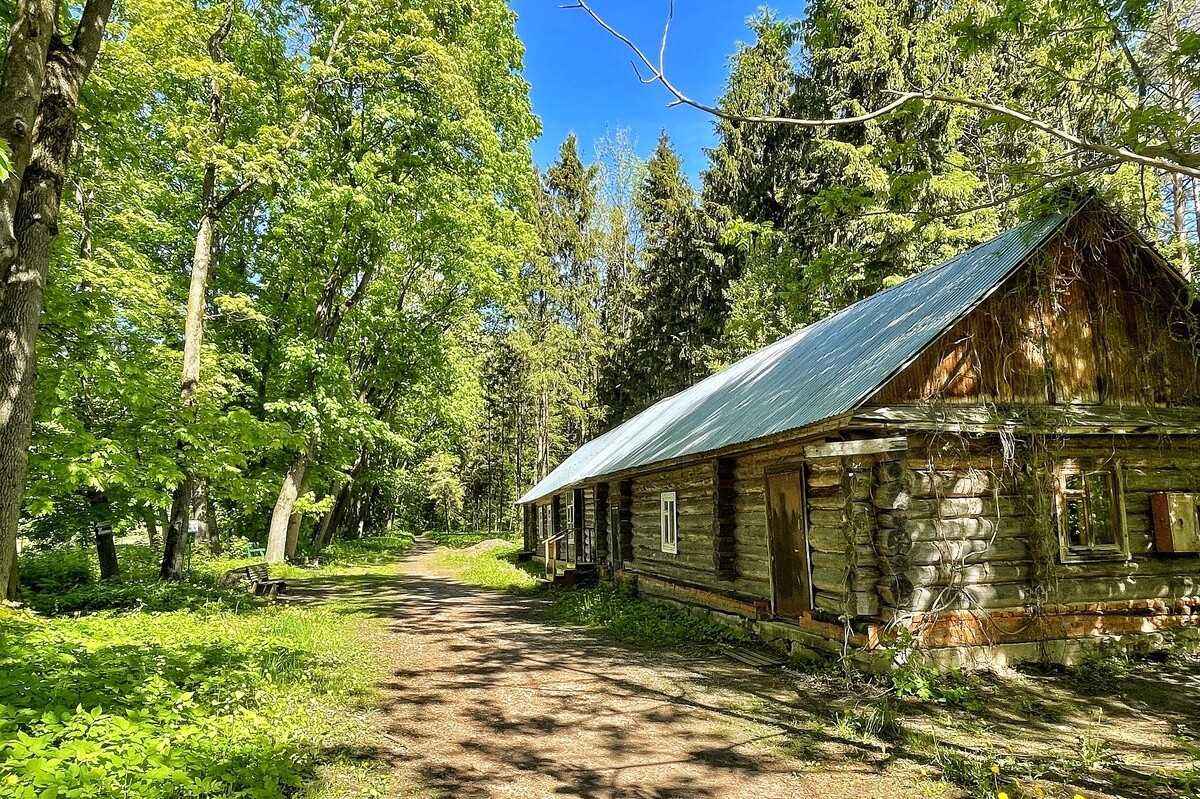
[
  {"x": 1133, "y": 124},
  {"x": 34, "y": 190}
]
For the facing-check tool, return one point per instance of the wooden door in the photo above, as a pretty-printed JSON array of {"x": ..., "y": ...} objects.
[{"x": 791, "y": 580}]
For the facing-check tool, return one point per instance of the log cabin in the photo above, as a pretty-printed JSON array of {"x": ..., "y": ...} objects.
[{"x": 996, "y": 460}]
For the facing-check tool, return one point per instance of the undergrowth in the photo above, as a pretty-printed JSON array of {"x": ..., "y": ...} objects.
[
  {"x": 191, "y": 703},
  {"x": 614, "y": 613}
]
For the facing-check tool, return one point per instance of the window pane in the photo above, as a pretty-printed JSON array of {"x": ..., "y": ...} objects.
[
  {"x": 1073, "y": 521},
  {"x": 1099, "y": 505},
  {"x": 1073, "y": 481}
]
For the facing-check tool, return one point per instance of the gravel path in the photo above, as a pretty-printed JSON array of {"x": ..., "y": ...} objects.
[{"x": 487, "y": 700}]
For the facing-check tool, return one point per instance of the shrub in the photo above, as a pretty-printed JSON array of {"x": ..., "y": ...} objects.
[{"x": 54, "y": 570}]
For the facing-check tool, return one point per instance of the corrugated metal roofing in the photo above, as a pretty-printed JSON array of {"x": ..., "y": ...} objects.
[{"x": 821, "y": 371}]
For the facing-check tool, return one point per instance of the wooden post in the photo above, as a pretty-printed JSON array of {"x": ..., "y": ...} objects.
[
  {"x": 577, "y": 532},
  {"x": 600, "y": 500},
  {"x": 625, "y": 533},
  {"x": 723, "y": 519}
]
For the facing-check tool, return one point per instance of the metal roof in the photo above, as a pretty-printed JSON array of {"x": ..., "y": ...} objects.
[{"x": 821, "y": 371}]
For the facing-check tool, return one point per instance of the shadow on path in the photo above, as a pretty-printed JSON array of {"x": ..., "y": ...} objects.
[{"x": 491, "y": 701}]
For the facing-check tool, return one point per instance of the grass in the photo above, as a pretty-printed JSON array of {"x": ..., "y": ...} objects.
[
  {"x": 614, "y": 613},
  {"x": 63, "y": 581},
  {"x": 187, "y": 690},
  {"x": 495, "y": 568},
  {"x": 460, "y": 539}
]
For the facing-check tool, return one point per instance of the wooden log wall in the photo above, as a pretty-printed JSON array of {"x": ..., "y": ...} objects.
[
  {"x": 963, "y": 532},
  {"x": 841, "y": 523},
  {"x": 624, "y": 492},
  {"x": 694, "y": 496}
]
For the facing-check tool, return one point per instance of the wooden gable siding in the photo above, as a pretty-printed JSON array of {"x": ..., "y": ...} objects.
[{"x": 1091, "y": 320}]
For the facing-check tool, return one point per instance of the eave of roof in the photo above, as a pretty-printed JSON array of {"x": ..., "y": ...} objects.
[{"x": 823, "y": 370}]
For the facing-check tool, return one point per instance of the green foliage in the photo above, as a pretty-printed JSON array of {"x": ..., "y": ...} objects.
[
  {"x": 55, "y": 571},
  {"x": 877, "y": 720},
  {"x": 1100, "y": 668},
  {"x": 196, "y": 704},
  {"x": 614, "y": 613}
]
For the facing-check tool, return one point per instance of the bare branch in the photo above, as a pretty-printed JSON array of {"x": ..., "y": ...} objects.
[{"x": 1167, "y": 159}]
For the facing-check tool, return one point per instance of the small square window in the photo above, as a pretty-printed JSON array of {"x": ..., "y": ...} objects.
[
  {"x": 1089, "y": 512},
  {"x": 669, "y": 520}
]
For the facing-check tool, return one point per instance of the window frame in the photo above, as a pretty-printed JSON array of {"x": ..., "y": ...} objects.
[
  {"x": 1090, "y": 551},
  {"x": 569, "y": 512},
  {"x": 668, "y": 544}
]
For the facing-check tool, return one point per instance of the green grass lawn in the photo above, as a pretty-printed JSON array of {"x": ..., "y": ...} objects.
[
  {"x": 187, "y": 690},
  {"x": 489, "y": 568}
]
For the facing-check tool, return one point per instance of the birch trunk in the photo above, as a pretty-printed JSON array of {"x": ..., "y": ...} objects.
[
  {"x": 35, "y": 226},
  {"x": 1179, "y": 219}
]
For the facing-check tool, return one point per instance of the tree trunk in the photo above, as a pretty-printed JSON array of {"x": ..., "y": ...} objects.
[
  {"x": 323, "y": 534},
  {"x": 1196, "y": 207},
  {"x": 21, "y": 85},
  {"x": 36, "y": 225},
  {"x": 210, "y": 521},
  {"x": 193, "y": 339},
  {"x": 12, "y": 591},
  {"x": 106, "y": 550},
  {"x": 177, "y": 531},
  {"x": 193, "y": 327},
  {"x": 151, "y": 523},
  {"x": 1179, "y": 219},
  {"x": 293, "y": 528},
  {"x": 288, "y": 492}
]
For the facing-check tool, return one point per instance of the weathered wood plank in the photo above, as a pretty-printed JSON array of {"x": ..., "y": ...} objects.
[{"x": 866, "y": 446}]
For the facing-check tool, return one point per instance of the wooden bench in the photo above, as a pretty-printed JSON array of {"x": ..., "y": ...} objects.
[{"x": 258, "y": 577}]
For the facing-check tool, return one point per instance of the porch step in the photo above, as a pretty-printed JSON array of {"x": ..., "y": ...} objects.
[{"x": 572, "y": 574}]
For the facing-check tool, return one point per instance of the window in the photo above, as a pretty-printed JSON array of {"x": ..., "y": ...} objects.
[
  {"x": 669, "y": 520},
  {"x": 571, "y": 513},
  {"x": 1089, "y": 512}
]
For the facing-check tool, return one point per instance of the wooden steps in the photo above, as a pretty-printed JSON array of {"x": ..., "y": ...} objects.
[{"x": 572, "y": 574}]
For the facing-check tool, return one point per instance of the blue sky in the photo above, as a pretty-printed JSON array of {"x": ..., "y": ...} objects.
[{"x": 582, "y": 82}]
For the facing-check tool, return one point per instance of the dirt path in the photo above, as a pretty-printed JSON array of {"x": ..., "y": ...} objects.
[{"x": 486, "y": 700}]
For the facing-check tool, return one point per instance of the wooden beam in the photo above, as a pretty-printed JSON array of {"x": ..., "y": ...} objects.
[
  {"x": 1048, "y": 419},
  {"x": 866, "y": 446}
]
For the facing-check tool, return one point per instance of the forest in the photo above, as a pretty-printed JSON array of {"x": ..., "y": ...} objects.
[
  {"x": 283, "y": 280},
  {"x": 286, "y": 273}
]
